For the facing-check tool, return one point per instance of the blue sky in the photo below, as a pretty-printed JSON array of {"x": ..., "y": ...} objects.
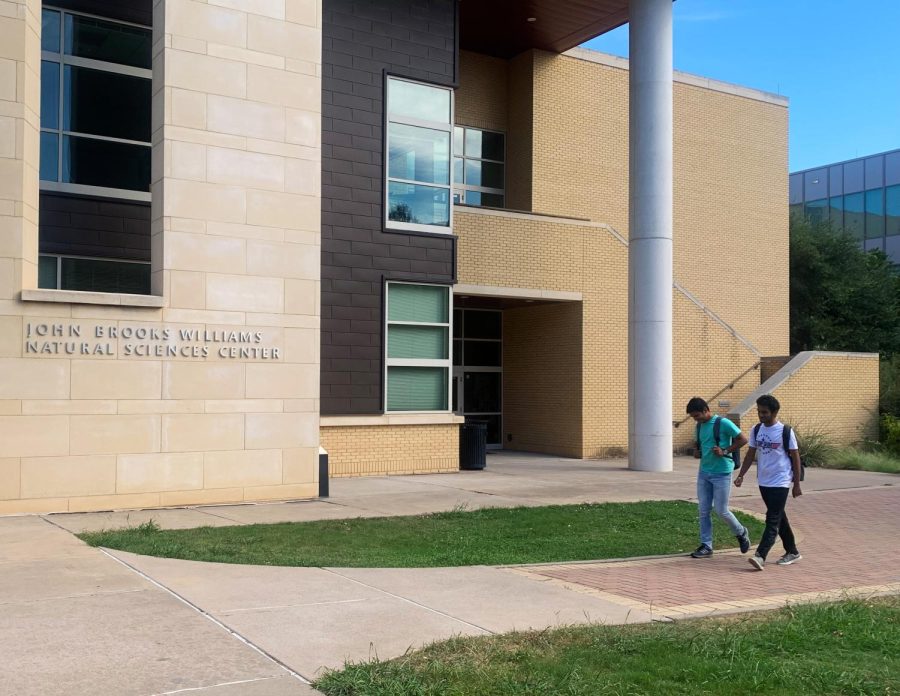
[{"x": 837, "y": 60}]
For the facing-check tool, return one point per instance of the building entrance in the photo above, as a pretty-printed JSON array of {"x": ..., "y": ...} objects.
[{"x": 478, "y": 369}]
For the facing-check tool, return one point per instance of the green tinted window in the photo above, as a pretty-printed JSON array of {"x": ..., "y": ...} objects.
[
  {"x": 418, "y": 347},
  {"x": 854, "y": 217},
  {"x": 417, "y": 388},
  {"x": 892, "y": 194},
  {"x": 874, "y": 214},
  {"x": 418, "y": 342},
  {"x": 836, "y": 211},
  {"x": 418, "y": 303},
  {"x": 47, "y": 272}
]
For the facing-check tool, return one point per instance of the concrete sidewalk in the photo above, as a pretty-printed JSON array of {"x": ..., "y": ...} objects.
[
  {"x": 77, "y": 620},
  {"x": 511, "y": 479}
]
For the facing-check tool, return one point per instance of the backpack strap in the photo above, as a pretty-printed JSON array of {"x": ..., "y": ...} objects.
[
  {"x": 717, "y": 429},
  {"x": 786, "y": 443},
  {"x": 697, "y": 435},
  {"x": 756, "y": 431}
]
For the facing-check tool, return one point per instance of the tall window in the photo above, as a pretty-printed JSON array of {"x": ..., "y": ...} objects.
[
  {"x": 854, "y": 215},
  {"x": 96, "y": 86},
  {"x": 419, "y": 130},
  {"x": 95, "y": 106},
  {"x": 875, "y": 214},
  {"x": 418, "y": 359},
  {"x": 479, "y": 158}
]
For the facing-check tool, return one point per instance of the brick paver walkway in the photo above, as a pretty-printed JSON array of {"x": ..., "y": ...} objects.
[{"x": 849, "y": 541}]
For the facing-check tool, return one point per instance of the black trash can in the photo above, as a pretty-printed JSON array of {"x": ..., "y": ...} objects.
[
  {"x": 323, "y": 473},
  {"x": 473, "y": 445}
]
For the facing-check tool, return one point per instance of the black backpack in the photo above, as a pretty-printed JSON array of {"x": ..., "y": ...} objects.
[
  {"x": 786, "y": 444},
  {"x": 717, "y": 429}
]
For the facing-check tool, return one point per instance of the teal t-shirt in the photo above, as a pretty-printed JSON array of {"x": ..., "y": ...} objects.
[{"x": 709, "y": 462}]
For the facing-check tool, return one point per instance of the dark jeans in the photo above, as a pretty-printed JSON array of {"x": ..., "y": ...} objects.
[{"x": 777, "y": 524}]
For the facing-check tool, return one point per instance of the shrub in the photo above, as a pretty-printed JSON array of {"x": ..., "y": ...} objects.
[
  {"x": 816, "y": 445},
  {"x": 890, "y": 434},
  {"x": 889, "y": 387}
]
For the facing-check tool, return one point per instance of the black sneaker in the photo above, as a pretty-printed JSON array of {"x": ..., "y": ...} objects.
[
  {"x": 703, "y": 551},
  {"x": 744, "y": 541}
]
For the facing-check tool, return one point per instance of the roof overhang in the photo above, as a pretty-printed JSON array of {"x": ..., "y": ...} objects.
[{"x": 505, "y": 28}]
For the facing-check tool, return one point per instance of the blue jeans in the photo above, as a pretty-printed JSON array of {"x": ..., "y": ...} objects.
[{"x": 713, "y": 491}]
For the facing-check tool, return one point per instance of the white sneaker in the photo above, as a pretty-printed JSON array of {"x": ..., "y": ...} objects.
[
  {"x": 757, "y": 562},
  {"x": 788, "y": 558}
]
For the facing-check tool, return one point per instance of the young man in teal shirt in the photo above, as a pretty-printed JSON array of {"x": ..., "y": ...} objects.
[{"x": 714, "y": 475}]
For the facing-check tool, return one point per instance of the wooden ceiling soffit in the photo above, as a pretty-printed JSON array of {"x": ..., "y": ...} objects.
[{"x": 502, "y": 28}]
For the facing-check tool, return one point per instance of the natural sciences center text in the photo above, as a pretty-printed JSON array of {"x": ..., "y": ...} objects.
[{"x": 49, "y": 338}]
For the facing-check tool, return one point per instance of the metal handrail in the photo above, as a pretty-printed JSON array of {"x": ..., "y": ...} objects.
[{"x": 730, "y": 385}]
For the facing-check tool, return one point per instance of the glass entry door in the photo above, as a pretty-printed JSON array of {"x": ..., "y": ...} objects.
[{"x": 478, "y": 370}]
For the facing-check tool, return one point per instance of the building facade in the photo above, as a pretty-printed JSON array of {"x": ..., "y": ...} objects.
[
  {"x": 860, "y": 196},
  {"x": 160, "y": 227},
  {"x": 237, "y": 233}
]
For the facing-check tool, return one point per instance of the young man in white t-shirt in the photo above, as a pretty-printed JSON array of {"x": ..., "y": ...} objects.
[{"x": 778, "y": 472}]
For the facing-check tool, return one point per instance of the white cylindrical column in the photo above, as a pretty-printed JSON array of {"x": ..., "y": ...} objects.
[{"x": 650, "y": 235}]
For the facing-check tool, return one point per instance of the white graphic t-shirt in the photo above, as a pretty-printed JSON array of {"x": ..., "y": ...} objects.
[{"x": 773, "y": 464}]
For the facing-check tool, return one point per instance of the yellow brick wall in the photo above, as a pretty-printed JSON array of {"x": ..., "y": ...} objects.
[
  {"x": 481, "y": 97},
  {"x": 391, "y": 449},
  {"x": 542, "y": 253},
  {"x": 708, "y": 362},
  {"x": 565, "y": 363},
  {"x": 833, "y": 392},
  {"x": 542, "y": 378},
  {"x": 730, "y": 179},
  {"x": 520, "y": 136}
]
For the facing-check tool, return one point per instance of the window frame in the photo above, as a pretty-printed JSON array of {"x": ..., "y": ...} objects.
[
  {"x": 446, "y": 364},
  {"x": 62, "y": 60},
  {"x": 59, "y": 260},
  {"x": 394, "y": 225},
  {"x": 461, "y": 188}
]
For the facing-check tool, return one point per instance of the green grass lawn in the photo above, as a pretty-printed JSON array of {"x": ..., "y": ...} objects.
[
  {"x": 492, "y": 536},
  {"x": 850, "y": 647}
]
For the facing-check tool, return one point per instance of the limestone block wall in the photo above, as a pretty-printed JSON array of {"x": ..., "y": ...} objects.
[
  {"x": 832, "y": 392},
  {"x": 20, "y": 95},
  {"x": 393, "y": 444},
  {"x": 207, "y": 390}
]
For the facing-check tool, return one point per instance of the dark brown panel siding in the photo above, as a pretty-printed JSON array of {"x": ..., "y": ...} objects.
[{"x": 361, "y": 40}]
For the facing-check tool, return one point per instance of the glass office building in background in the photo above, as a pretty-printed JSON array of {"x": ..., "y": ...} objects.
[{"x": 860, "y": 196}]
